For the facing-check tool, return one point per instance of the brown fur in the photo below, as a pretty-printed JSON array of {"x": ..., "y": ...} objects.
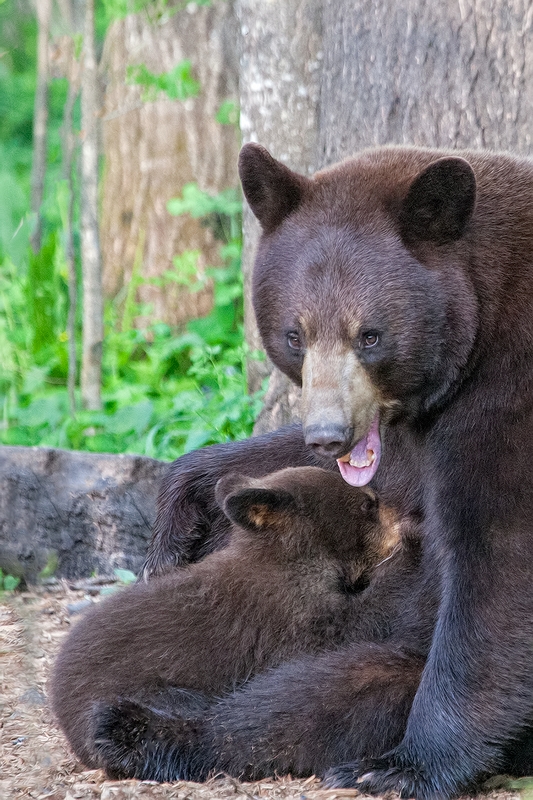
[
  {"x": 433, "y": 252},
  {"x": 303, "y": 544}
]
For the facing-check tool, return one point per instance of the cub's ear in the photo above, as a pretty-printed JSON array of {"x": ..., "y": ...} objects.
[
  {"x": 259, "y": 509},
  {"x": 229, "y": 484},
  {"x": 272, "y": 190},
  {"x": 369, "y": 503},
  {"x": 439, "y": 203}
]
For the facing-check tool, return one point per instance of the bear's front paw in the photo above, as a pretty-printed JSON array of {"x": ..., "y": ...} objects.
[{"x": 379, "y": 776}]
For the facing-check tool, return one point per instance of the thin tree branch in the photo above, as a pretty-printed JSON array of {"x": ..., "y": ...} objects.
[
  {"x": 91, "y": 374},
  {"x": 40, "y": 118}
]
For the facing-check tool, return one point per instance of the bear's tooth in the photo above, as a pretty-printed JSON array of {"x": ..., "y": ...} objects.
[{"x": 360, "y": 462}]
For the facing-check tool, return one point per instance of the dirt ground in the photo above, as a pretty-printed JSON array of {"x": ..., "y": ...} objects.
[{"x": 35, "y": 761}]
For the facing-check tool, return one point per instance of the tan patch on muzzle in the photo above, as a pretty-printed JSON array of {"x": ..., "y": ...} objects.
[{"x": 337, "y": 391}]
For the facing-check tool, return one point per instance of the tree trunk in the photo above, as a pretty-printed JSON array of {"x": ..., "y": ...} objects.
[
  {"x": 449, "y": 74},
  {"x": 93, "y": 328},
  {"x": 80, "y": 512},
  {"x": 154, "y": 147},
  {"x": 279, "y": 87},
  {"x": 437, "y": 74},
  {"x": 40, "y": 118},
  {"x": 69, "y": 143}
]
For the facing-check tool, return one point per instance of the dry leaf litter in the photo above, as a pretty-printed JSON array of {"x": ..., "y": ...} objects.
[{"x": 35, "y": 760}]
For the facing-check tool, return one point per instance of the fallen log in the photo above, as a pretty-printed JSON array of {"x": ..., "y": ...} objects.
[{"x": 74, "y": 514}]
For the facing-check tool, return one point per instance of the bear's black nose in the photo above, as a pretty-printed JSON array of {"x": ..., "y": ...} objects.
[{"x": 328, "y": 439}]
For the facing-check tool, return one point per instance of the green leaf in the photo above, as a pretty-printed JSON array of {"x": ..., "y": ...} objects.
[
  {"x": 228, "y": 113},
  {"x": 107, "y": 590},
  {"x": 34, "y": 380},
  {"x": 52, "y": 563},
  {"x": 522, "y": 785},
  {"x": 130, "y": 419},
  {"x": 125, "y": 576},
  {"x": 201, "y": 204},
  {"x": 77, "y": 38},
  {"x": 47, "y": 410},
  {"x": 197, "y": 438},
  {"x": 177, "y": 84},
  {"x": 186, "y": 270},
  {"x": 11, "y": 583}
]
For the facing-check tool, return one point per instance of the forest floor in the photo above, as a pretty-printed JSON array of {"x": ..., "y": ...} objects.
[{"x": 35, "y": 761}]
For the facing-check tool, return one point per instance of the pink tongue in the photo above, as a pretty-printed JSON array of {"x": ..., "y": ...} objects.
[{"x": 360, "y": 476}]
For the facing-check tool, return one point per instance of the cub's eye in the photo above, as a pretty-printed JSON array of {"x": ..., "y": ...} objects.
[
  {"x": 369, "y": 339},
  {"x": 294, "y": 341}
]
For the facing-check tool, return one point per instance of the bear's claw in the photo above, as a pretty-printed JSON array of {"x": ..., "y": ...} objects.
[{"x": 379, "y": 777}]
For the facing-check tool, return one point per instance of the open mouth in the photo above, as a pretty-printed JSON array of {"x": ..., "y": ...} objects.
[{"x": 359, "y": 466}]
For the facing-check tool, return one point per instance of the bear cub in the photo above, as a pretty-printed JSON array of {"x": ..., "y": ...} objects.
[{"x": 302, "y": 548}]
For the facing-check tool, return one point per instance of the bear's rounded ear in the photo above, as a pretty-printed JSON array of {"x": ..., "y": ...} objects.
[
  {"x": 439, "y": 203},
  {"x": 259, "y": 509},
  {"x": 369, "y": 503},
  {"x": 272, "y": 190},
  {"x": 229, "y": 483}
]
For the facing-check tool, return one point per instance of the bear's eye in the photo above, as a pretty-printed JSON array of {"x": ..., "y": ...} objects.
[
  {"x": 294, "y": 341},
  {"x": 369, "y": 339}
]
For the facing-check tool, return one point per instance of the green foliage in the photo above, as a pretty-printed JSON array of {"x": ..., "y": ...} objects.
[
  {"x": 117, "y": 9},
  {"x": 178, "y": 84},
  {"x": 8, "y": 583},
  {"x": 46, "y": 299},
  {"x": 200, "y": 204},
  {"x": 125, "y": 576},
  {"x": 228, "y": 113},
  {"x": 165, "y": 392},
  {"x": 154, "y": 9},
  {"x": 18, "y": 34},
  {"x": 504, "y": 783},
  {"x": 49, "y": 569}
]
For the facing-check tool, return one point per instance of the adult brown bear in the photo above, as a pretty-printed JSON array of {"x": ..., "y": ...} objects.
[
  {"x": 397, "y": 288},
  {"x": 304, "y": 546}
]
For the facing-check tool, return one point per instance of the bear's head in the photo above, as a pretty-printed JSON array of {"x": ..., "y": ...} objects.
[
  {"x": 361, "y": 290},
  {"x": 309, "y": 514}
]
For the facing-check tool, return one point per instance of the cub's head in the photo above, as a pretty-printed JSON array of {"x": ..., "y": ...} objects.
[
  {"x": 309, "y": 514},
  {"x": 360, "y": 289}
]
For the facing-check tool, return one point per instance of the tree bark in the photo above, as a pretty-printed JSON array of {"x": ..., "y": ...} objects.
[
  {"x": 153, "y": 148},
  {"x": 446, "y": 75},
  {"x": 82, "y": 512},
  {"x": 452, "y": 74},
  {"x": 279, "y": 88},
  {"x": 93, "y": 333},
  {"x": 40, "y": 118}
]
